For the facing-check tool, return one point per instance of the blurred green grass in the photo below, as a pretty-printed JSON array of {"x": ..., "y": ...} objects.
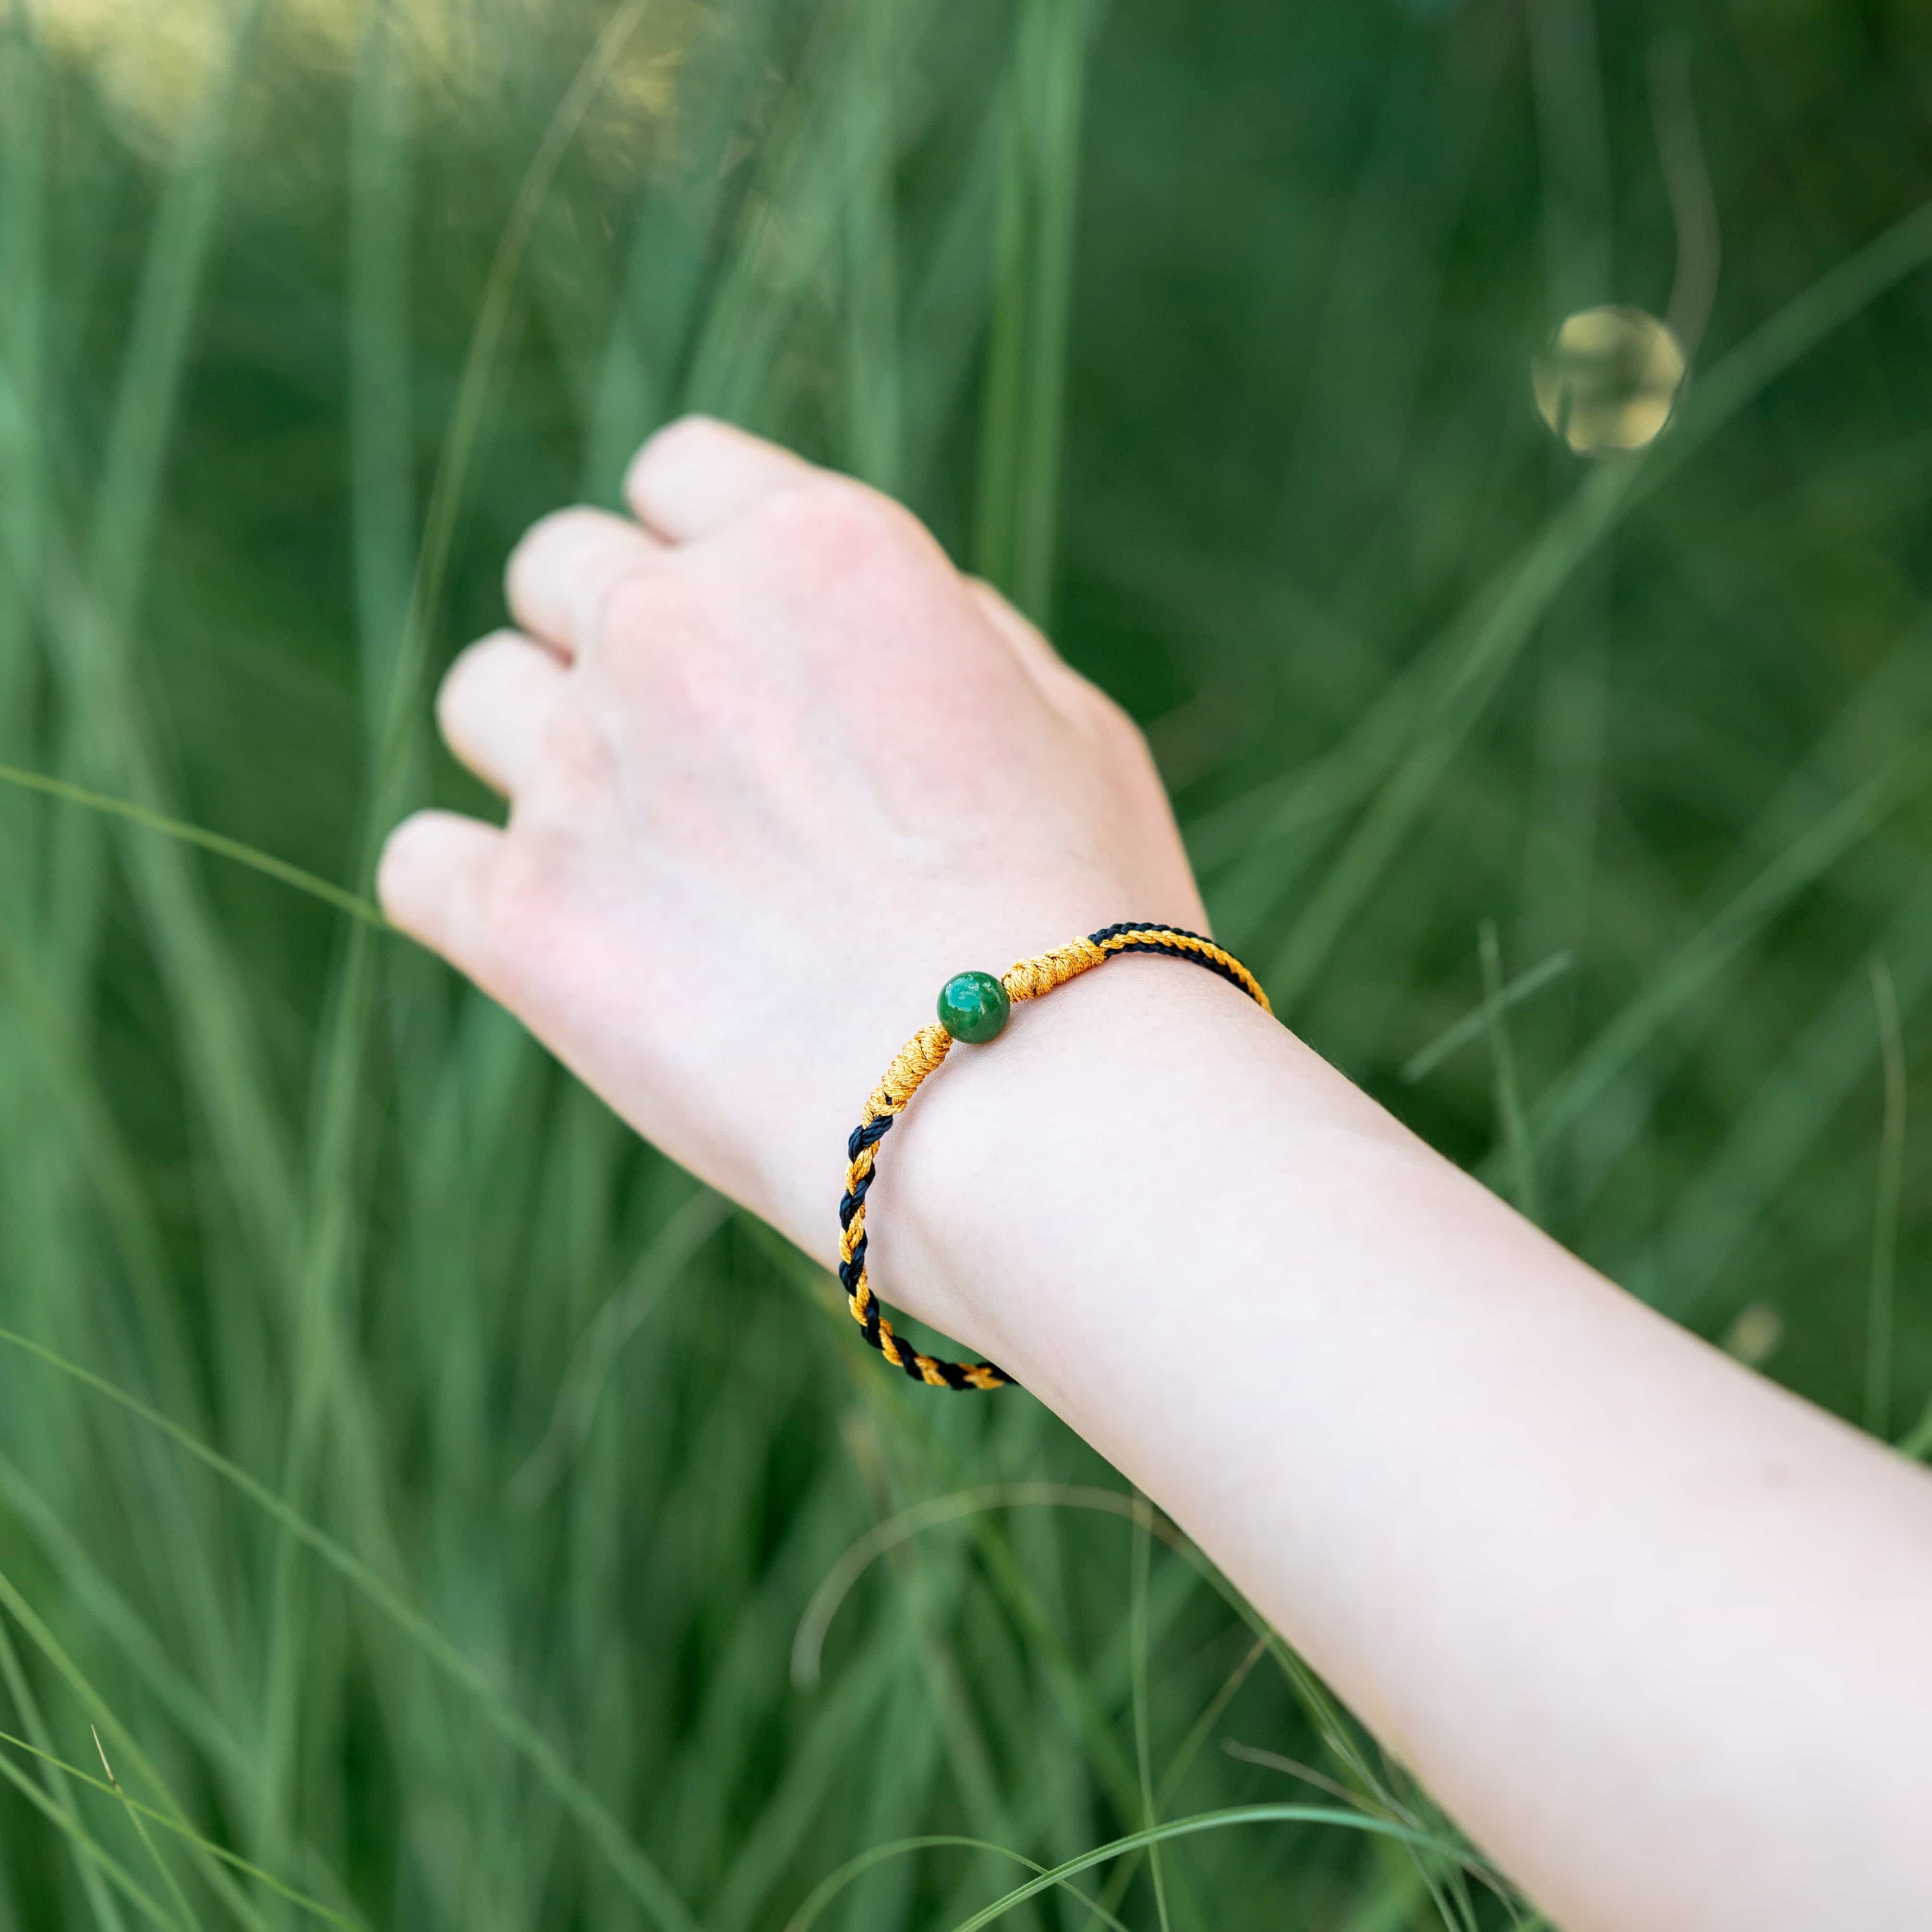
[{"x": 1205, "y": 330}]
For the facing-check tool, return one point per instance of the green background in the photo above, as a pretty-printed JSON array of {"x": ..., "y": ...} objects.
[{"x": 1204, "y": 328}]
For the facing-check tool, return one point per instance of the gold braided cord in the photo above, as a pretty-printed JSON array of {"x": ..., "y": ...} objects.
[
  {"x": 1031, "y": 978},
  {"x": 920, "y": 1055},
  {"x": 923, "y": 1054}
]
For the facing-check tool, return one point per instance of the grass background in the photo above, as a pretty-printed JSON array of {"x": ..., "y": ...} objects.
[{"x": 1206, "y": 329}]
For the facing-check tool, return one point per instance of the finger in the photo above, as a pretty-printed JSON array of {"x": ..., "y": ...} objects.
[
  {"x": 434, "y": 882},
  {"x": 697, "y": 475},
  {"x": 494, "y": 704},
  {"x": 561, "y": 576}
]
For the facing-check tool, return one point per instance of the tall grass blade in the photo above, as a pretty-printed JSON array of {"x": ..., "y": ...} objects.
[
  {"x": 217, "y": 842},
  {"x": 1019, "y": 510},
  {"x": 829, "y": 1888},
  {"x": 1470, "y": 1026},
  {"x": 1509, "y": 1097},
  {"x": 1218, "y": 1821}
]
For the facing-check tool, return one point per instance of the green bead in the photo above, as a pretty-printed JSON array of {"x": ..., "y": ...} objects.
[{"x": 974, "y": 1006}]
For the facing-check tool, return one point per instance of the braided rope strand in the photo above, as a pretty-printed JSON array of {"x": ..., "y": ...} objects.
[{"x": 923, "y": 1055}]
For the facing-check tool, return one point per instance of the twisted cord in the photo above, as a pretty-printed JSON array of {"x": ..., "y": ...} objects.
[{"x": 923, "y": 1054}]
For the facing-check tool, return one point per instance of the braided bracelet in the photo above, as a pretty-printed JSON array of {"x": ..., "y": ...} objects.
[{"x": 973, "y": 1007}]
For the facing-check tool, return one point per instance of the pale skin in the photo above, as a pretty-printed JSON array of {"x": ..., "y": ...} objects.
[{"x": 1657, "y": 1634}]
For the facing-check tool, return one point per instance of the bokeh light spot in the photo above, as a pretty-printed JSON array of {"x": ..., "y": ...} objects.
[{"x": 1608, "y": 380}]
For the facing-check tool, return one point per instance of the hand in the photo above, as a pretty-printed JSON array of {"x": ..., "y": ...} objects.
[{"x": 775, "y": 769}]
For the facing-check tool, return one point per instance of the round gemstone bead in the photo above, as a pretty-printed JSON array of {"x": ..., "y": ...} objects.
[{"x": 973, "y": 1007}]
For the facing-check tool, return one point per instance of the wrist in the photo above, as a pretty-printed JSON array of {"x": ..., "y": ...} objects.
[{"x": 1012, "y": 1148}]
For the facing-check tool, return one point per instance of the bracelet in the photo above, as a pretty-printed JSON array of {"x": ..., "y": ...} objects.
[{"x": 973, "y": 1007}]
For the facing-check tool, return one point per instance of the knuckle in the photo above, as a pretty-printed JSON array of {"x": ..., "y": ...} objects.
[
  {"x": 660, "y": 655},
  {"x": 834, "y": 528},
  {"x": 794, "y": 519},
  {"x": 637, "y": 606},
  {"x": 689, "y": 688},
  {"x": 576, "y": 765}
]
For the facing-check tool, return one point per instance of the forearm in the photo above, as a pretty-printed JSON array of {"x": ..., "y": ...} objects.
[{"x": 1607, "y": 1592}]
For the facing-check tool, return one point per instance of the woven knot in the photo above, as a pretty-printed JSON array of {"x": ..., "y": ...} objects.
[
  {"x": 1030, "y": 978},
  {"x": 913, "y": 1061}
]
